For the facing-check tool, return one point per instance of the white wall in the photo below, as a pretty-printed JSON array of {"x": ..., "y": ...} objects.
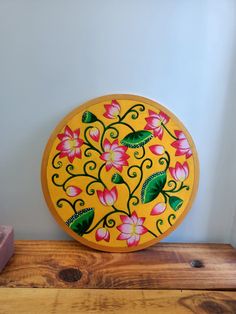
[{"x": 57, "y": 54}]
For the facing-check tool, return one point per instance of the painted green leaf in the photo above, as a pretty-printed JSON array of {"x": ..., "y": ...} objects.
[
  {"x": 137, "y": 139},
  {"x": 81, "y": 221},
  {"x": 175, "y": 202},
  {"x": 153, "y": 186},
  {"x": 88, "y": 117}
]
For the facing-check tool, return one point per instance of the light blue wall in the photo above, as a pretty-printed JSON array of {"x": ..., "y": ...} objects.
[{"x": 57, "y": 54}]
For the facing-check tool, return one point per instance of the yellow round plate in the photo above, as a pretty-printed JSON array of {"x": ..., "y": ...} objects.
[{"x": 119, "y": 173}]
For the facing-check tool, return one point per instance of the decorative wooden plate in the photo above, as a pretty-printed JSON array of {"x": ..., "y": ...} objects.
[{"x": 119, "y": 173}]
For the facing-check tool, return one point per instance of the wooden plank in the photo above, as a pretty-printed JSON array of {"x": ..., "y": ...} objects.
[
  {"x": 68, "y": 264},
  {"x": 26, "y": 300}
]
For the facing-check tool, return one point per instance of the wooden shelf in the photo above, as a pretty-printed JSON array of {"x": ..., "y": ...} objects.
[{"x": 161, "y": 273}]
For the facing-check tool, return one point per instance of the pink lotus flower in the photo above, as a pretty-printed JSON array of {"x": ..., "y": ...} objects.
[
  {"x": 157, "y": 149},
  {"x": 182, "y": 145},
  {"x": 102, "y": 234},
  {"x": 114, "y": 155},
  {"x": 106, "y": 197},
  {"x": 131, "y": 229},
  {"x": 70, "y": 144},
  {"x": 95, "y": 134},
  {"x": 180, "y": 172},
  {"x": 73, "y": 191},
  {"x": 158, "y": 209},
  {"x": 112, "y": 110},
  {"x": 155, "y": 121}
]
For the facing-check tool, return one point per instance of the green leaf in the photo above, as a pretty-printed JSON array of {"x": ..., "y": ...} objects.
[
  {"x": 153, "y": 186},
  {"x": 88, "y": 117},
  {"x": 81, "y": 221},
  {"x": 175, "y": 202},
  {"x": 137, "y": 139},
  {"x": 117, "y": 178}
]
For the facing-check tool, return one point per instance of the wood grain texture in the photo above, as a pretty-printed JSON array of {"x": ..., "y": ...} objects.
[
  {"x": 68, "y": 264},
  {"x": 24, "y": 300}
]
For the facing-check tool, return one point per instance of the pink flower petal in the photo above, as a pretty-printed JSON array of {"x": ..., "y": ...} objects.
[
  {"x": 125, "y": 228},
  {"x": 64, "y": 145},
  {"x": 63, "y": 154},
  {"x": 115, "y": 103},
  {"x": 134, "y": 217},
  {"x": 121, "y": 149},
  {"x": 153, "y": 122},
  {"x": 172, "y": 172},
  {"x": 68, "y": 131},
  {"x": 73, "y": 191},
  {"x": 189, "y": 153},
  {"x": 108, "y": 166},
  {"x": 114, "y": 193},
  {"x": 112, "y": 110},
  {"x": 101, "y": 198},
  {"x": 123, "y": 236},
  {"x": 179, "y": 172},
  {"x": 180, "y": 152},
  {"x": 71, "y": 157},
  {"x": 140, "y": 221},
  {"x": 157, "y": 149},
  {"x": 78, "y": 153},
  {"x": 180, "y": 134},
  {"x": 133, "y": 240},
  {"x": 118, "y": 167},
  {"x": 107, "y": 115},
  {"x": 95, "y": 134},
  {"x": 186, "y": 169},
  {"x": 63, "y": 137},
  {"x": 140, "y": 230},
  {"x": 118, "y": 155},
  {"x": 126, "y": 219},
  {"x": 114, "y": 145},
  {"x": 158, "y": 209},
  {"x": 108, "y": 197},
  {"x": 105, "y": 156},
  {"x": 107, "y": 236},
  {"x": 76, "y": 133},
  {"x": 102, "y": 234},
  {"x": 163, "y": 117},
  {"x": 152, "y": 113},
  {"x": 158, "y": 132},
  {"x": 78, "y": 142},
  {"x": 106, "y": 145}
]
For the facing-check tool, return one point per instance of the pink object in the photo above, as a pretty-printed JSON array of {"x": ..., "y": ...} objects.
[
  {"x": 108, "y": 197},
  {"x": 131, "y": 229},
  {"x": 6, "y": 245},
  {"x": 114, "y": 155},
  {"x": 181, "y": 145}
]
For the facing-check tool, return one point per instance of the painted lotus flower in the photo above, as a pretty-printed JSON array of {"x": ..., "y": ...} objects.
[
  {"x": 73, "y": 191},
  {"x": 181, "y": 145},
  {"x": 158, "y": 209},
  {"x": 180, "y": 172},
  {"x": 114, "y": 155},
  {"x": 108, "y": 197},
  {"x": 102, "y": 234},
  {"x": 155, "y": 122},
  {"x": 157, "y": 149},
  {"x": 131, "y": 229},
  {"x": 70, "y": 145},
  {"x": 112, "y": 110},
  {"x": 94, "y": 134}
]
